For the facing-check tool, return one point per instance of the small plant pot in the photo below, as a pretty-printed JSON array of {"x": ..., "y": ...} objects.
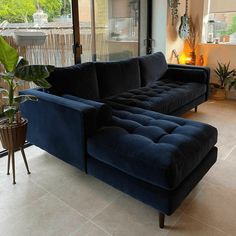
[
  {"x": 13, "y": 136},
  {"x": 219, "y": 94}
]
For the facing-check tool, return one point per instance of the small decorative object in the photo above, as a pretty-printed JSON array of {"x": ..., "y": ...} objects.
[
  {"x": 201, "y": 60},
  {"x": 225, "y": 76},
  {"x": 184, "y": 26},
  {"x": 173, "y": 4},
  {"x": 13, "y": 127},
  {"x": 210, "y": 31},
  {"x": 175, "y": 55},
  {"x": 39, "y": 17}
]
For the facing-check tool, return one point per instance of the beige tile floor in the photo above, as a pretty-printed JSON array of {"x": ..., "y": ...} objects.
[{"x": 58, "y": 199}]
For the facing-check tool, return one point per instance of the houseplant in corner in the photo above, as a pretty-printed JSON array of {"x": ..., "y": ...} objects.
[
  {"x": 224, "y": 75},
  {"x": 16, "y": 69}
]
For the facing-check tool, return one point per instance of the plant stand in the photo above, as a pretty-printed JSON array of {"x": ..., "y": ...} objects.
[{"x": 13, "y": 137}]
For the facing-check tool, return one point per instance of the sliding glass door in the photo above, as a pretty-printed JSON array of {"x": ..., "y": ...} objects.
[{"x": 108, "y": 29}]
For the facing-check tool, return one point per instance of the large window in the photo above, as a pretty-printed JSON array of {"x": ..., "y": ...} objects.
[
  {"x": 40, "y": 30},
  {"x": 221, "y": 22}
]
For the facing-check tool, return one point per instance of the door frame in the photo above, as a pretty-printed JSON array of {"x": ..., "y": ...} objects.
[{"x": 77, "y": 47}]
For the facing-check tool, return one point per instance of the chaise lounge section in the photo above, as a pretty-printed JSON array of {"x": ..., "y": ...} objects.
[{"x": 112, "y": 120}]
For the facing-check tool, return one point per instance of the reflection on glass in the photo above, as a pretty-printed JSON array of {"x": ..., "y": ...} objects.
[{"x": 116, "y": 29}]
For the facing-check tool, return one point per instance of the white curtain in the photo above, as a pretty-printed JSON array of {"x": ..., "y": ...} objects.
[{"x": 218, "y": 6}]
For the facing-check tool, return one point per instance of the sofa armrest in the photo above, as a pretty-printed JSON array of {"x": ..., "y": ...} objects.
[
  {"x": 59, "y": 125},
  {"x": 187, "y": 73},
  {"x": 104, "y": 111}
]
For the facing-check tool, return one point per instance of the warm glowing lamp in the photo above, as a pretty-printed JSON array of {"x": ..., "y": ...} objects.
[
  {"x": 182, "y": 58},
  {"x": 188, "y": 61}
]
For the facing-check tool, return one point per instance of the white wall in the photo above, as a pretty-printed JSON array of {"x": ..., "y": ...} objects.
[
  {"x": 173, "y": 39},
  {"x": 165, "y": 35},
  {"x": 213, "y": 52},
  {"x": 159, "y": 13}
]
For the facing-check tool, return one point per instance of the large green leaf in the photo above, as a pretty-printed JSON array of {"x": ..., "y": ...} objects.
[
  {"x": 43, "y": 83},
  {"x": 22, "y": 62},
  {"x": 8, "y": 55},
  {"x": 9, "y": 112},
  {"x": 35, "y": 73}
]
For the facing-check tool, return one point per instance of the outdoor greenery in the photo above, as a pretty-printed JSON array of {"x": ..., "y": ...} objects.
[
  {"x": 19, "y": 11},
  {"x": 231, "y": 28},
  {"x": 16, "y": 69}
]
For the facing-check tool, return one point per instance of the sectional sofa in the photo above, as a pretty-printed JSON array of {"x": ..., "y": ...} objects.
[{"x": 117, "y": 121}]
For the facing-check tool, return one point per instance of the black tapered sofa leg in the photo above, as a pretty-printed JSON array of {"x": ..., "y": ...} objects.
[
  {"x": 195, "y": 109},
  {"x": 161, "y": 220}
]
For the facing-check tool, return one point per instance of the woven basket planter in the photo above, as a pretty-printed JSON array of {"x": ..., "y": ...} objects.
[
  {"x": 219, "y": 94},
  {"x": 13, "y": 136}
]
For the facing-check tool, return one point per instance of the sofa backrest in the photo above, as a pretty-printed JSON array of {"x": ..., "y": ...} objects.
[
  {"x": 117, "y": 77},
  {"x": 152, "y": 67},
  {"x": 79, "y": 80},
  {"x": 104, "y": 79}
]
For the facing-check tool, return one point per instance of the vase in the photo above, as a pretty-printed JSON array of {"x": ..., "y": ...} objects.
[{"x": 193, "y": 58}]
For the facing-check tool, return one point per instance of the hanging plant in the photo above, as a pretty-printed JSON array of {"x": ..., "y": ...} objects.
[{"x": 173, "y": 4}]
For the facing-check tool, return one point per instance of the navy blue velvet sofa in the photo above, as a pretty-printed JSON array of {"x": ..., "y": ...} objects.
[{"x": 114, "y": 120}]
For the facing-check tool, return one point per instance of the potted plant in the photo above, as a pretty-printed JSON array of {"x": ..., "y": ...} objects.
[
  {"x": 232, "y": 83},
  {"x": 15, "y": 70},
  {"x": 224, "y": 75}
]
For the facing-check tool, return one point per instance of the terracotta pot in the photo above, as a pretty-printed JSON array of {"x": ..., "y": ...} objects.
[
  {"x": 219, "y": 94},
  {"x": 13, "y": 136}
]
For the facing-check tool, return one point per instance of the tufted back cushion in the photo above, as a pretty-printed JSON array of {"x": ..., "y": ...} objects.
[
  {"x": 152, "y": 67},
  {"x": 118, "y": 77},
  {"x": 79, "y": 80}
]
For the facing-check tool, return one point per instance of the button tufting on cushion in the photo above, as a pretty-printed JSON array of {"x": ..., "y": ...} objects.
[
  {"x": 162, "y": 96},
  {"x": 157, "y": 148}
]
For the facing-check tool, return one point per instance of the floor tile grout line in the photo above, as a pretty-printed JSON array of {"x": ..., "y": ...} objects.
[
  {"x": 89, "y": 221},
  {"x": 188, "y": 204},
  {"x": 75, "y": 210},
  {"x": 116, "y": 198},
  {"x": 100, "y": 227},
  {"x": 79, "y": 213},
  {"x": 209, "y": 225},
  {"x": 172, "y": 226},
  {"x": 229, "y": 153},
  {"x": 87, "y": 218},
  {"x": 219, "y": 185},
  {"x": 25, "y": 206}
]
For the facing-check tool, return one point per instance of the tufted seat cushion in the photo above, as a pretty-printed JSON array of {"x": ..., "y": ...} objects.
[
  {"x": 163, "y": 96},
  {"x": 159, "y": 149}
]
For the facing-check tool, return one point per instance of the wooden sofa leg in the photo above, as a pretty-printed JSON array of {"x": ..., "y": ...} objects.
[
  {"x": 195, "y": 109},
  {"x": 161, "y": 220}
]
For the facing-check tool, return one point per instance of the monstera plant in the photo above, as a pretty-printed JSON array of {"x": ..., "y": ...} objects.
[
  {"x": 17, "y": 69},
  {"x": 14, "y": 71}
]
